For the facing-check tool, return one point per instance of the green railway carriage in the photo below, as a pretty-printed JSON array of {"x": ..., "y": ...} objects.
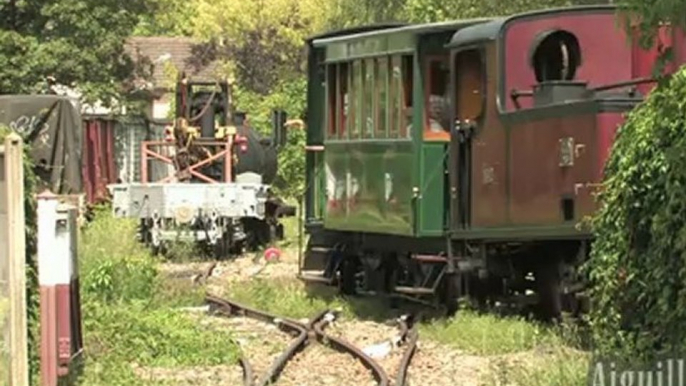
[
  {"x": 377, "y": 147},
  {"x": 458, "y": 158}
]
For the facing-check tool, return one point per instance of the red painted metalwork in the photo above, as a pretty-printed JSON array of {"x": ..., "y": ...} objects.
[
  {"x": 607, "y": 124},
  {"x": 225, "y": 152},
  {"x": 98, "y": 166},
  {"x": 595, "y": 51}
]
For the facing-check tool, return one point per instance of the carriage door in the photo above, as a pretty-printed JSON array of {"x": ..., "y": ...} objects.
[{"x": 468, "y": 91}]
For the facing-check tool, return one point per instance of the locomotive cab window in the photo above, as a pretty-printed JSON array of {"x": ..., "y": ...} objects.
[
  {"x": 556, "y": 56},
  {"x": 469, "y": 85}
]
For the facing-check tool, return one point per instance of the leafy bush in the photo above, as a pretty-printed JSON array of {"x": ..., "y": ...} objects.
[
  {"x": 637, "y": 267},
  {"x": 129, "y": 310},
  {"x": 288, "y": 95},
  {"x": 114, "y": 266}
]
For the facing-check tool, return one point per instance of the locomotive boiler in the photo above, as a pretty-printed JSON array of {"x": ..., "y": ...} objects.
[{"x": 459, "y": 159}]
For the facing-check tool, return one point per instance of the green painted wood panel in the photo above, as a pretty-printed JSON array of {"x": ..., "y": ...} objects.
[
  {"x": 370, "y": 46},
  {"x": 432, "y": 203},
  {"x": 369, "y": 186}
]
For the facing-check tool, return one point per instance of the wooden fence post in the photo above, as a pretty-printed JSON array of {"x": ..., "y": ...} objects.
[{"x": 16, "y": 240}]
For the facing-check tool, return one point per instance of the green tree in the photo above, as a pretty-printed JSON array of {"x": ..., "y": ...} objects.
[
  {"x": 436, "y": 10},
  {"x": 80, "y": 43},
  {"x": 172, "y": 18},
  {"x": 650, "y": 14},
  {"x": 349, "y": 13}
]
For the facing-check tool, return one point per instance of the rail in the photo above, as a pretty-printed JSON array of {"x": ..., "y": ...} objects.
[{"x": 302, "y": 333}]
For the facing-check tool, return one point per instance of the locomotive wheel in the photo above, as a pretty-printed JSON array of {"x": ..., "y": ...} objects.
[{"x": 450, "y": 293}]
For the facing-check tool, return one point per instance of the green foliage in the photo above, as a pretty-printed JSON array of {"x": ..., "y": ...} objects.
[
  {"x": 172, "y": 18},
  {"x": 129, "y": 310},
  {"x": 290, "y": 181},
  {"x": 438, "y": 10},
  {"x": 350, "y": 13},
  {"x": 262, "y": 40},
  {"x": 556, "y": 365},
  {"x": 150, "y": 336},
  {"x": 115, "y": 268},
  {"x": 490, "y": 334},
  {"x": 638, "y": 262},
  {"x": 78, "y": 42},
  {"x": 288, "y": 95},
  {"x": 290, "y": 298},
  {"x": 651, "y": 14}
]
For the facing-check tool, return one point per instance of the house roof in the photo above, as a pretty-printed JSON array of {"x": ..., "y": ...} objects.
[{"x": 186, "y": 54}]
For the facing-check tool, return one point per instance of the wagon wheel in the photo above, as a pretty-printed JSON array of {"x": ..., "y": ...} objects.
[
  {"x": 348, "y": 269},
  {"x": 548, "y": 284}
]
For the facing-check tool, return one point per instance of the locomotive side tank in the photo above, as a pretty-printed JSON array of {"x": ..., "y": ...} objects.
[{"x": 459, "y": 159}]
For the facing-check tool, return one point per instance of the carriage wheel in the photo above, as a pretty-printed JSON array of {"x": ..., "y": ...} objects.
[
  {"x": 348, "y": 269},
  {"x": 548, "y": 283}
]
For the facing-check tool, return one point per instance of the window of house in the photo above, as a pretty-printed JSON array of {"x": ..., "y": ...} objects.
[{"x": 435, "y": 107}]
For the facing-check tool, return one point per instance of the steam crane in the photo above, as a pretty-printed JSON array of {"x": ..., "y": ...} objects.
[{"x": 219, "y": 194}]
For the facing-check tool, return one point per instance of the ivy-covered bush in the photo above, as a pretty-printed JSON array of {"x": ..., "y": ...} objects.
[{"x": 637, "y": 267}]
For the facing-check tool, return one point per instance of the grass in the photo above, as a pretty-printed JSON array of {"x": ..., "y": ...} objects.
[
  {"x": 290, "y": 298},
  {"x": 478, "y": 334},
  {"x": 522, "y": 352},
  {"x": 130, "y": 311},
  {"x": 559, "y": 366},
  {"x": 131, "y": 316}
]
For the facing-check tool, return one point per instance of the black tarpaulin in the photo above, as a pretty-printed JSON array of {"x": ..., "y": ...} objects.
[{"x": 51, "y": 126}]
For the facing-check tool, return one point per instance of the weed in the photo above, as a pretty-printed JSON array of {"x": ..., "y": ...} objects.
[
  {"x": 558, "y": 366},
  {"x": 114, "y": 266},
  {"x": 129, "y": 310},
  {"x": 488, "y": 334},
  {"x": 291, "y": 298}
]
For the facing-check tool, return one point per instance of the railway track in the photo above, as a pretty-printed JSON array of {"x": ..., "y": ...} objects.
[{"x": 315, "y": 331}]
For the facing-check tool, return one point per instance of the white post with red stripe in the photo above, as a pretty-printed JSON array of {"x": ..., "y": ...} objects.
[{"x": 58, "y": 280}]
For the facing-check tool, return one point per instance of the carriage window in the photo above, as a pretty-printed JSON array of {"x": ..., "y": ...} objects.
[
  {"x": 369, "y": 107},
  {"x": 332, "y": 92},
  {"x": 342, "y": 108},
  {"x": 382, "y": 92},
  {"x": 356, "y": 100},
  {"x": 406, "y": 89},
  {"x": 435, "y": 121},
  {"x": 395, "y": 96}
]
